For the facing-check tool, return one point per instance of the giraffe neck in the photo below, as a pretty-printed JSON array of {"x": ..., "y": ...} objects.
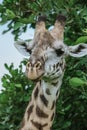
[{"x": 40, "y": 111}]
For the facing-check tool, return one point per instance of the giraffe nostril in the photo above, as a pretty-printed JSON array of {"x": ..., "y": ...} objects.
[
  {"x": 28, "y": 65},
  {"x": 38, "y": 65}
]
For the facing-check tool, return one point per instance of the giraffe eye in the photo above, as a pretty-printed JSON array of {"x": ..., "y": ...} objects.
[{"x": 59, "y": 52}]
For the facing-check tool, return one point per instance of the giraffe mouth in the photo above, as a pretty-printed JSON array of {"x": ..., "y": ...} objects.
[
  {"x": 34, "y": 75},
  {"x": 39, "y": 78}
]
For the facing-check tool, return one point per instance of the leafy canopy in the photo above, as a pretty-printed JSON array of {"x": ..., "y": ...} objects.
[{"x": 20, "y": 15}]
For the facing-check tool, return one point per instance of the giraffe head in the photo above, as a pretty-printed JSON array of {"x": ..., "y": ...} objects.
[{"x": 47, "y": 48}]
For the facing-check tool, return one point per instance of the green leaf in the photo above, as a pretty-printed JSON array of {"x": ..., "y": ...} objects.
[
  {"x": 66, "y": 124},
  {"x": 67, "y": 107},
  {"x": 6, "y": 66},
  {"x": 47, "y": 79},
  {"x": 76, "y": 82},
  {"x": 10, "y": 14},
  {"x": 85, "y": 18},
  {"x": 18, "y": 85},
  {"x": 18, "y": 25},
  {"x": 81, "y": 39}
]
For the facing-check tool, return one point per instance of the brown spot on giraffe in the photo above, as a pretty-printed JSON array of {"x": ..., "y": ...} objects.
[
  {"x": 52, "y": 117},
  {"x": 48, "y": 91},
  {"x": 53, "y": 105},
  {"x": 38, "y": 125},
  {"x": 44, "y": 100},
  {"x": 36, "y": 93},
  {"x": 29, "y": 111},
  {"x": 40, "y": 113}
]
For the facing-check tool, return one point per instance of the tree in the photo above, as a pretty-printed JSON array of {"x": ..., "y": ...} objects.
[
  {"x": 18, "y": 14},
  {"x": 72, "y": 104}
]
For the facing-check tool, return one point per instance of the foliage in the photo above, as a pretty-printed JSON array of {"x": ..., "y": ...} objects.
[
  {"x": 14, "y": 98},
  {"x": 72, "y": 104},
  {"x": 19, "y": 14}
]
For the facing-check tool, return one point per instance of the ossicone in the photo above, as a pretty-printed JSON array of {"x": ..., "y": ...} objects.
[
  {"x": 58, "y": 31},
  {"x": 42, "y": 19},
  {"x": 61, "y": 18}
]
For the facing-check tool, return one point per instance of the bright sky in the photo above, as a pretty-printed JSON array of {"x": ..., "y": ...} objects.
[{"x": 8, "y": 53}]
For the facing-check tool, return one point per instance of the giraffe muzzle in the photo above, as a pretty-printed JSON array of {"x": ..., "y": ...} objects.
[{"x": 34, "y": 71}]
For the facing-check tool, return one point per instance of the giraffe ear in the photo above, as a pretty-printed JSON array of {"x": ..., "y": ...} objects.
[
  {"x": 78, "y": 50},
  {"x": 24, "y": 47}
]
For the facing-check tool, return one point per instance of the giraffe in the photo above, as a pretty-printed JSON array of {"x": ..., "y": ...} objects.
[{"x": 46, "y": 67}]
